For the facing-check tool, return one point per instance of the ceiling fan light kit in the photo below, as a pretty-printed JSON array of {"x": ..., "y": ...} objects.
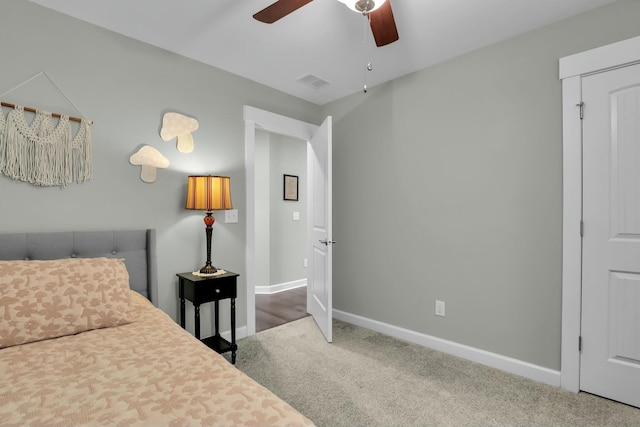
[{"x": 363, "y": 6}]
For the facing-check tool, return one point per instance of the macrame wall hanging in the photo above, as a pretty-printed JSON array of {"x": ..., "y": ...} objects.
[{"x": 41, "y": 152}]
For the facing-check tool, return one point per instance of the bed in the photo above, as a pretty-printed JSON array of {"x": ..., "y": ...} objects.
[{"x": 82, "y": 343}]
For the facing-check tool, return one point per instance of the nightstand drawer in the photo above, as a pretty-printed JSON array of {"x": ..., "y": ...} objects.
[
  {"x": 203, "y": 290},
  {"x": 212, "y": 292}
]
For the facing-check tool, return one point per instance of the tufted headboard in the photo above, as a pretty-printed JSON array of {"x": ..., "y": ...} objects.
[{"x": 137, "y": 247}]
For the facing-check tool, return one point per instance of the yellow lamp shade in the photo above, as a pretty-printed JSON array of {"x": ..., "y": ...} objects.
[{"x": 209, "y": 193}]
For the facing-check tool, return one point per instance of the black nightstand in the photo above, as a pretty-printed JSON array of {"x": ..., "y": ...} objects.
[{"x": 199, "y": 290}]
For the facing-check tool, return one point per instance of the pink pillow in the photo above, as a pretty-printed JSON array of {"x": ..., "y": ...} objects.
[{"x": 49, "y": 299}]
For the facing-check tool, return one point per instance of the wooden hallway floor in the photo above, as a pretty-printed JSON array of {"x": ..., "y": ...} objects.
[{"x": 280, "y": 308}]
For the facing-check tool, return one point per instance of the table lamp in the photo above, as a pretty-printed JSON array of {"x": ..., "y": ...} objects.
[{"x": 209, "y": 193}]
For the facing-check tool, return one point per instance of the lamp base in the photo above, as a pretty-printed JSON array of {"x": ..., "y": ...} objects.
[
  {"x": 208, "y": 222},
  {"x": 208, "y": 269}
]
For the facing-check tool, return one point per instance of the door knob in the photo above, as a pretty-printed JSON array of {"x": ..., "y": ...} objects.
[{"x": 327, "y": 242}]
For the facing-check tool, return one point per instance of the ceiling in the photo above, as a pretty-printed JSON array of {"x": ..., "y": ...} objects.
[{"x": 324, "y": 39}]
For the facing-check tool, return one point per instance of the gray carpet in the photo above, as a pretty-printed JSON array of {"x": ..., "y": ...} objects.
[{"x": 369, "y": 379}]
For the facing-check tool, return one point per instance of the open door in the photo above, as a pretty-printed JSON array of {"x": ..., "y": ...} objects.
[{"x": 319, "y": 275}]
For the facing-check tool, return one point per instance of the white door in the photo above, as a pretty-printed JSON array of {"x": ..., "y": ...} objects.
[
  {"x": 610, "y": 325},
  {"x": 319, "y": 276}
]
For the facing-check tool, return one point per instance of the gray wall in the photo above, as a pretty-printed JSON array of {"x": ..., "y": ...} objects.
[
  {"x": 280, "y": 241},
  {"x": 448, "y": 185},
  {"x": 263, "y": 208},
  {"x": 288, "y": 237},
  {"x": 126, "y": 86}
]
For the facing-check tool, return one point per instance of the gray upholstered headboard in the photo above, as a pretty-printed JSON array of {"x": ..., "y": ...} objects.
[{"x": 137, "y": 247}]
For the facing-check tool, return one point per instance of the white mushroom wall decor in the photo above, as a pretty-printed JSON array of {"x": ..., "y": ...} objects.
[
  {"x": 150, "y": 159},
  {"x": 180, "y": 126}
]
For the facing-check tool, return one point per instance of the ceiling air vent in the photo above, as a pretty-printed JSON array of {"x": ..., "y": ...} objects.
[{"x": 313, "y": 81}]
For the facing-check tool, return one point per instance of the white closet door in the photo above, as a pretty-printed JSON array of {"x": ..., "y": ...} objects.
[{"x": 610, "y": 324}]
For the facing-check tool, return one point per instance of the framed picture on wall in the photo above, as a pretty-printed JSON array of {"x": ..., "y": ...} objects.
[{"x": 291, "y": 187}]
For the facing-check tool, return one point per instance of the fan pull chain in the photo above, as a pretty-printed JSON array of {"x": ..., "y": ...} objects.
[{"x": 369, "y": 67}]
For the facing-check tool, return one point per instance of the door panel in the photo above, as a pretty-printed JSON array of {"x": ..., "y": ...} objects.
[
  {"x": 625, "y": 215},
  {"x": 610, "y": 327},
  {"x": 319, "y": 280},
  {"x": 623, "y": 319}
]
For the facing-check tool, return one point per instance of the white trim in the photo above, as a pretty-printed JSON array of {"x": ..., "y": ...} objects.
[
  {"x": 255, "y": 118},
  {"x": 281, "y": 287},
  {"x": 250, "y": 256},
  {"x": 241, "y": 332},
  {"x": 572, "y": 69},
  {"x": 276, "y": 123},
  {"x": 601, "y": 58},
  {"x": 571, "y": 239},
  {"x": 507, "y": 364}
]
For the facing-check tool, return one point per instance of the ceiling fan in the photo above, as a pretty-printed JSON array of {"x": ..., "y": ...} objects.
[{"x": 383, "y": 25}]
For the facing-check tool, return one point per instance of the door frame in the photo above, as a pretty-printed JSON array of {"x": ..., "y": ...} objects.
[
  {"x": 572, "y": 69},
  {"x": 257, "y": 119}
]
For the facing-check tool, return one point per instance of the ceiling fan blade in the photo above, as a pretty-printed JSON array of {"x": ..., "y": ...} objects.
[
  {"x": 383, "y": 25},
  {"x": 279, "y": 9}
]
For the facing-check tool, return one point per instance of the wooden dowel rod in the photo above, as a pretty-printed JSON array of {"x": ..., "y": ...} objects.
[{"x": 33, "y": 110}]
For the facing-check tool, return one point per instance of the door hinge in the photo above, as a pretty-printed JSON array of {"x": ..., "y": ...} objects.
[
  {"x": 581, "y": 228},
  {"x": 579, "y": 343},
  {"x": 581, "y": 105}
]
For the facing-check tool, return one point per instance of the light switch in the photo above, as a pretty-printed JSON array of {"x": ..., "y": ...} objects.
[
  {"x": 231, "y": 216},
  {"x": 296, "y": 216}
]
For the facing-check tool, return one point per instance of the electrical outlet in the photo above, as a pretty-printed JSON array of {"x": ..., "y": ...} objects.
[
  {"x": 231, "y": 216},
  {"x": 305, "y": 263},
  {"x": 439, "y": 308}
]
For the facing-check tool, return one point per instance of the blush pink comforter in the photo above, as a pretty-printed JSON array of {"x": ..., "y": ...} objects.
[{"x": 149, "y": 372}]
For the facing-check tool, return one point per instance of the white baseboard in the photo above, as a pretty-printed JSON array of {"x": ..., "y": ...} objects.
[
  {"x": 241, "y": 332},
  {"x": 494, "y": 360},
  {"x": 280, "y": 287}
]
